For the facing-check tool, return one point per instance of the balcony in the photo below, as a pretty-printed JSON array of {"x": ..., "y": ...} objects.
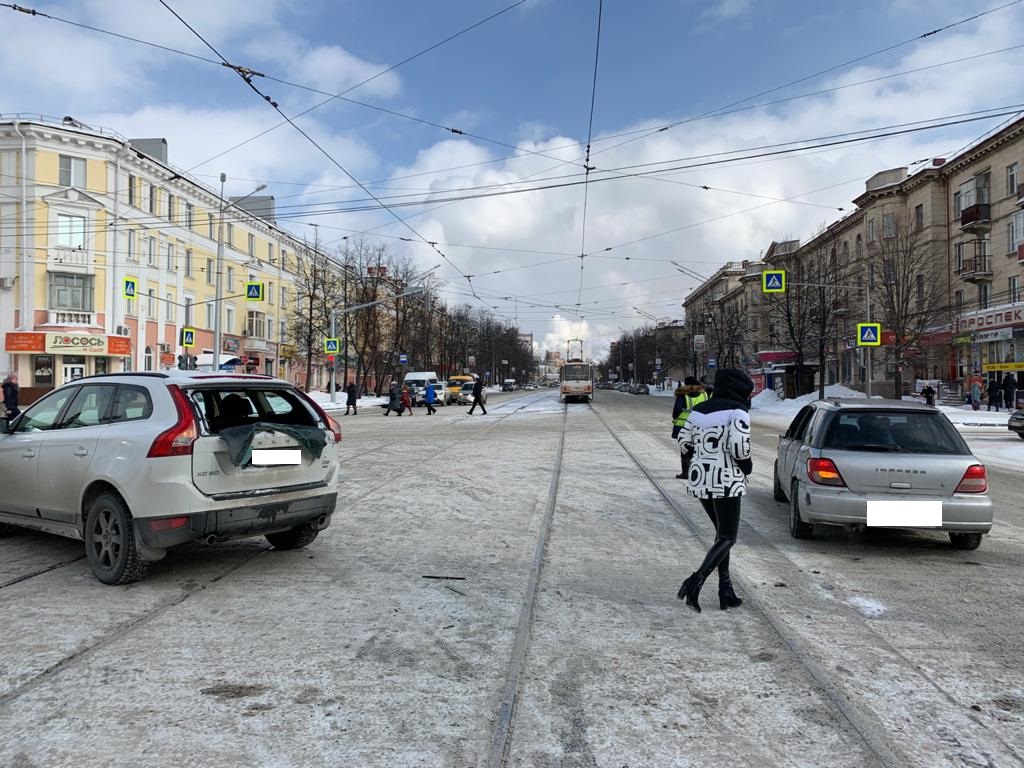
[
  {"x": 977, "y": 269},
  {"x": 255, "y": 346},
  {"x": 71, "y": 317},
  {"x": 976, "y": 213},
  {"x": 75, "y": 260}
]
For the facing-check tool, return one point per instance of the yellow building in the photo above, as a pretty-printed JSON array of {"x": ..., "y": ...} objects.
[{"x": 82, "y": 211}]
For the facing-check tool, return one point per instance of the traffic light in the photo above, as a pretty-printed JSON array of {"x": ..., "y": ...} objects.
[
  {"x": 193, "y": 362},
  {"x": 181, "y": 362},
  {"x": 330, "y": 362}
]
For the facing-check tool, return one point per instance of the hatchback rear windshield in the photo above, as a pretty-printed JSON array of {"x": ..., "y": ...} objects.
[
  {"x": 894, "y": 432},
  {"x": 221, "y": 408}
]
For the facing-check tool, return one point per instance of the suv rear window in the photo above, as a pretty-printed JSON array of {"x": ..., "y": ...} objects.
[
  {"x": 221, "y": 408},
  {"x": 894, "y": 432}
]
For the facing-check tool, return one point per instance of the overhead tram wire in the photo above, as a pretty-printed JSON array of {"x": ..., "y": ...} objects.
[
  {"x": 248, "y": 81},
  {"x": 587, "y": 168}
]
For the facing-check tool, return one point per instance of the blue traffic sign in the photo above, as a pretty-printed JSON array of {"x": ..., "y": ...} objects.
[
  {"x": 773, "y": 281},
  {"x": 254, "y": 291},
  {"x": 130, "y": 287},
  {"x": 712, "y": 362},
  {"x": 188, "y": 337},
  {"x": 869, "y": 334},
  {"x": 403, "y": 359},
  {"x": 330, "y": 346}
]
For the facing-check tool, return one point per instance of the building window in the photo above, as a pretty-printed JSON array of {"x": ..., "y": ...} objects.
[
  {"x": 1013, "y": 289},
  {"x": 958, "y": 251},
  {"x": 252, "y": 244},
  {"x": 170, "y": 258},
  {"x": 284, "y": 296},
  {"x": 190, "y": 216},
  {"x": 231, "y": 234},
  {"x": 147, "y": 360},
  {"x": 209, "y": 225},
  {"x": 70, "y": 231},
  {"x": 270, "y": 327},
  {"x": 169, "y": 301},
  {"x": 1017, "y": 225},
  {"x": 151, "y": 304},
  {"x": 858, "y": 248},
  {"x": 189, "y": 301},
  {"x": 131, "y": 245},
  {"x": 888, "y": 226},
  {"x": 132, "y": 200},
  {"x": 71, "y": 291},
  {"x": 72, "y": 172},
  {"x": 983, "y": 296},
  {"x": 283, "y": 332},
  {"x": 958, "y": 301},
  {"x": 151, "y": 252},
  {"x": 270, "y": 253},
  {"x": 229, "y": 319},
  {"x": 152, "y": 199},
  {"x": 920, "y": 287},
  {"x": 270, "y": 294},
  {"x": 231, "y": 278},
  {"x": 209, "y": 314},
  {"x": 129, "y": 306},
  {"x": 1011, "y": 180},
  {"x": 188, "y": 262},
  {"x": 170, "y": 207},
  {"x": 918, "y": 217},
  {"x": 209, "y": 272},
  {"x": 256, "y": 325},
  {"x": 871, "y": 230},
  {"x": 957, "y": 210}
]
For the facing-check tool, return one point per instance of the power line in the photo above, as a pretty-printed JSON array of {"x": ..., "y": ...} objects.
[{"x": 587, "y": 168}]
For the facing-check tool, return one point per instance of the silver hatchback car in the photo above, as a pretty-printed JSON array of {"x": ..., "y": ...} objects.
[
  {"x": 136, "y": 463},
  {"x": 883, "y": 463}
]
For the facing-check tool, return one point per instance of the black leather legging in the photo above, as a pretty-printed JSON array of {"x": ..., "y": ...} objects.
[{"x": 725, "y": 515}]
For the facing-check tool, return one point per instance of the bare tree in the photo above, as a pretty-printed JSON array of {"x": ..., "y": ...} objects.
[
  {"x": 911, "y": 288},
  {"x": 791, "y": 322},
  {"x": 826, "y": 277},
  {"x": 318, "y": 289}
]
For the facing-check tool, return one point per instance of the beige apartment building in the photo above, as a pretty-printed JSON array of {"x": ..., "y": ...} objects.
[
  {"x": 82, "y": 209},
  {"x": 938, "y": 253}
]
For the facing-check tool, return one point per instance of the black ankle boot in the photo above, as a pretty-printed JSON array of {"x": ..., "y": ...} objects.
[
  {"x": 690, "y": 591},
  {"x": 726, "y": 596}
]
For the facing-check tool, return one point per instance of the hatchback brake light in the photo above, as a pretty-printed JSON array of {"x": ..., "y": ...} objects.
[
  {"x": 824, "y": 472},
  {"x": 178, "y": 440},
  {"x": 975, "y": 480}
]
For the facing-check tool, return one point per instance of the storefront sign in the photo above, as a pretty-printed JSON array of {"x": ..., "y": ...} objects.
[
  {"x": 962, "y": 339},
  {"x": 229, "y": 344},
  {"x": 76, "y": 343},
  {"x": 994, "y": 367},
  {"x": 1002, "y": 334},
  {"x": 24, "y": 342},
  {"x": 991, "y": 318},
  {"x": 68, "y": 343}
]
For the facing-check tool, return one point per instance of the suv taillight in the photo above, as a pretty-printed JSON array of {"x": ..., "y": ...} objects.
[
  {"x": 332, "y": 425},
  {"x": 824, "y": 472},
  {"x": 178, "y": 440},
  {"x": 975, "y": 480}
]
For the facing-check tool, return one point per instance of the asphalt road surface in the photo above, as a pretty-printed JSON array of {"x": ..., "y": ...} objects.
[{"x": 500, "y": 590}]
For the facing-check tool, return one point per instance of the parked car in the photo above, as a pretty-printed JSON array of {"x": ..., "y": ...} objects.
[
  {"x": 508, "y": 385},
  {"x": 640, "y": 389},
  {"x": 1016, "y": 423},
  {"x": 839, "y": 457},
  {"x": 529, "y": 387},
  {"x": 136, "y": 463},
  {"x": 466, "y": 394}
]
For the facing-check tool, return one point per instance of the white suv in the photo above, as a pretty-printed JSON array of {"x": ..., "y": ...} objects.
[{"x": 135, "y": 463}]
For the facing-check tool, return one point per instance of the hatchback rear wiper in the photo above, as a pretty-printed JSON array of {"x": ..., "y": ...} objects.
[{"x": 883, "y": 447}]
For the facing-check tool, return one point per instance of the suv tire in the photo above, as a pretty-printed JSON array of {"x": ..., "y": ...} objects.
[
  {"x": 798, "y": 529},
  {"x": 777, "y": 492},
  {"x": 294, "y": 538},
  {"x": 965, "y": 540},
  {"x": 110, "y": 541}
]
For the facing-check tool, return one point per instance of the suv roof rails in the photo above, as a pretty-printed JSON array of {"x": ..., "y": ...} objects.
[{"x": 152, "y": 374}]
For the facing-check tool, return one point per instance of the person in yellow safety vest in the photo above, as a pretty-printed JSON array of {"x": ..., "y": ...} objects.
[{"x": 688, "y": 394}]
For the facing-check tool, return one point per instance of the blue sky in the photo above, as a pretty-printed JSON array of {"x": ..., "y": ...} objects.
[{"x": 524, "y": 79}]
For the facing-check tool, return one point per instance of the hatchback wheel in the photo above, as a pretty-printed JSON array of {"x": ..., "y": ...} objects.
[
  {"x": 798, "y": 529},
  {"x": 294, "y": 538},
  {"x": 965, "y": 540},
  {"x": 110, "y": 541},
  {"x": 777, "y": 492}
]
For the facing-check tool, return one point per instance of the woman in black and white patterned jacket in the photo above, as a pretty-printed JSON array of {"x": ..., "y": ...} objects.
[{"x": 716, "y": 441}]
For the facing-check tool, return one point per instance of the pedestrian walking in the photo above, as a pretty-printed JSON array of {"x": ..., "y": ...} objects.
[
  {"x": 10, "y": 387},
  {"x": 716, "y": 438},
  {"x": 1010, "y": 391},
  {"x": 430, "y": 398},
  {"x": 350, "y": 399},
  {"x": 975, "y": 394},
  {"x": 995, "y": 394},
  {"x": 929, "y": 394},
  {"x": 478, "y": 397},
  {"x": 406, "y": 401},
  {"x": 689, "y": 392},
  {"x": 394, "y": 402}
]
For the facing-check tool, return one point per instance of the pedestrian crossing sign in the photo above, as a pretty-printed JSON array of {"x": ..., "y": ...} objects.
[
  {"x": 773, "y": 281},
  {"x": 330, "y": 346},
  {"x": 130, "y": 287},
  {"x": 869, "y": 334},
  {"x": 254, "y": 291},
  {"x": 188, "y": 337}
]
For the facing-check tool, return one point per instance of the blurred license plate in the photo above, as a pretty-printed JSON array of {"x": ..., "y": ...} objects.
[
  {"x": 905, "y": 514},
  {"x": 268, "y": 457}
]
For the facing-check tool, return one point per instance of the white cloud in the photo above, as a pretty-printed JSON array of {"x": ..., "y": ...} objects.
[{"x": 726, "y": 10}]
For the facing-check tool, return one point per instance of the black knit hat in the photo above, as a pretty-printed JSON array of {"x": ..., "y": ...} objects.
[
  {"x": 733, "y": 384},
  {"x": 691, "y": 381}
]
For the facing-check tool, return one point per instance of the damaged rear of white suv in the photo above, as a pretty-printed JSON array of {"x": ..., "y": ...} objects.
[{"x": 137, "y": 463}]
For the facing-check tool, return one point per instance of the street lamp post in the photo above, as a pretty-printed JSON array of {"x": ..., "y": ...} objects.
[
  {"x": 219, "y": 280},
  {"x": 410, "y": 291}
]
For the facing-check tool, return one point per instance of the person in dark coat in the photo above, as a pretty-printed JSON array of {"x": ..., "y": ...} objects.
[
  {"x": 10, "y": 387},
  {"x": 716, "y": 441},
  {"x": 350, "y": 399},
  {"x": 1010, "y": 391},
  {"x": 394, "y": 402},
  {"x": 995, "y": 394},
  {"x": 929, "y": 394},
  {"x": 478, "y": 394},
  {"x": 687, "y": 394}
]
